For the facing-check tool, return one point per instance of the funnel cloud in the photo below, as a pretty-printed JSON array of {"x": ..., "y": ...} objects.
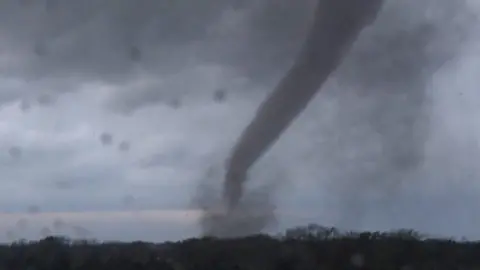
[
  {"x": 379, "y": 75},
  {"x": 330, "y": 38}
]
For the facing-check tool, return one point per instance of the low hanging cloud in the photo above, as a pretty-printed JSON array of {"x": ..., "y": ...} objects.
[{"x": 119, "y": 43}]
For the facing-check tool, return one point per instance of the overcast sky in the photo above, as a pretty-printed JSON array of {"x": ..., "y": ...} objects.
[{"x": 112, "y": 113}]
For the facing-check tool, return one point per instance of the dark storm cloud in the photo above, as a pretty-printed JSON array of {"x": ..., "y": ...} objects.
[
  {"x": 145, "y": 53},
  {"x": 95, "y": 39},
  {"x": 99, "y": 39},
  {"x": 117, "y": 41},
  {"x": 114, "y": 40}
]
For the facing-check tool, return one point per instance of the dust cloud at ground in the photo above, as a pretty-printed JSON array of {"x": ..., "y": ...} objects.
[{"x": 257, "y": 210}]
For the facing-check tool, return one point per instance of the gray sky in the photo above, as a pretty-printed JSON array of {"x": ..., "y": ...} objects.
[{"x": 110, "y": 117}]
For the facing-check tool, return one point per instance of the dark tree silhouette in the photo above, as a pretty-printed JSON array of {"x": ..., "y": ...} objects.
[{"x": 308, "y": 247}]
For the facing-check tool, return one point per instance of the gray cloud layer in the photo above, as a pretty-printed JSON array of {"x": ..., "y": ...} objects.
[{"x": 77, "y": 69}]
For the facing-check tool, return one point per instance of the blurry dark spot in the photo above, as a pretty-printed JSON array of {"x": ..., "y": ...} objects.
[
  {"x": 128, "y": 200},
  {"x": 175, "y": 103},
  {"x": 63, "y": 184},
  {"x": 21, "y": 224},
  {"x": 33, "y": 209},
  {"x": 58, "y": 224},
  {"x": 45, "y": 100},
  {"x": 40, "y": 49},
  {"x": 15, "y": 152},
  {"x": 134, "y": 53},
  {"x": 106, "y": 138},
  {"x": 219, "y": 95},
  {"x": 25, "y": 105},
  {"x": 124, "y": 146},
  {"x": 45, "y": 232}
]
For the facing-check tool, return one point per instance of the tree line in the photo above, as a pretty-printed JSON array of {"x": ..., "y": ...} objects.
[{"x": 303, "y": 248}]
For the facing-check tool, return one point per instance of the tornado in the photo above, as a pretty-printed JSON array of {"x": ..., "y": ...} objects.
[
  {"x": 336, "y": 26},
  {"x": 377, "y": 143}
]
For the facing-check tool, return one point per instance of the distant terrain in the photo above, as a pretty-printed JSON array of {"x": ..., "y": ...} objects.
[{"x": 309, "y": 247}]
